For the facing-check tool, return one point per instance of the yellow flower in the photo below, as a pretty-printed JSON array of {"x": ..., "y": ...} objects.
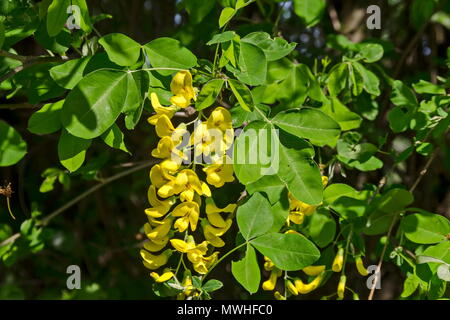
[
  {"x": 181, "y": 87},
  {"x": 160, "y": 174},
  {"x": 160, "y": 110},
  {"x": 307, "y": 288},
  {"x": 167, "y": 275},
  {"x": 220, "y": 118},
  {"x": 279, "y": 296},
  {"x": 324, "y": 181},
  {"x": 154, "y": 262},
  {"x": 213, "y": 213},
  {"x": 188, "y": 288},
  {"x": 269, "y": 284},
  {"x": 207, "y": 141},
  {"x": 299, "y": 206},
  {"x": 212, "y": 234},
  {"x": 338, "y": 261},
  {"x": 160, "y": 231},
  {"x": 188, "y": 213},
  {"x": 164, "y": 148},
  {"x": 205, "y": 263},
  {"x": 159, "y": 208},
  {"x": 268, "y": 264},
  {"x": 220, "y": 173},
  {"x": 196, "y": 253},
  {"x": 341, "y": 287},
  {"x": 156, "y": 245},
  {"x": 164, "y": 126},
  {"x": 313, "y": 270},
  {"x": 296, "y": 217},
  {"x": 360, "y": 266},
  {"x": 291, "y": 287},
  {"x": 186, "y": 184}
]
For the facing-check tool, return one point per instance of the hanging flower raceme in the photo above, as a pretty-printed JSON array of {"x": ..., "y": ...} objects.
[{"x": 177, "y": 194}]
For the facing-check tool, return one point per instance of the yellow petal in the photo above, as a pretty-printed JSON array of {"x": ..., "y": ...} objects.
[
  {"x": 164, "y": 126},
  {"x": 338, "y": 261},
  {"x": 360, "y": 267},
  {"x": 313, "y": 270},
  {"x": 341, "y": 287},
  {"x": 153, "y": 262}
]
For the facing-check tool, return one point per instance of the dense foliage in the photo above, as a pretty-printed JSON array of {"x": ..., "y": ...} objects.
[{"x": 138, "y": 155}]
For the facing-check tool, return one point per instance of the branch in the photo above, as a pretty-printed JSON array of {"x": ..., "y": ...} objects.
[
  {"x": 27, "y": 62},
  {"x": 55, "y": 213},
  {"x": 394, "y": 220}
]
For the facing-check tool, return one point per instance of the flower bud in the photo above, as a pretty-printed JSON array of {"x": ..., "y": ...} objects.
[{"x": 338, "y": 261}]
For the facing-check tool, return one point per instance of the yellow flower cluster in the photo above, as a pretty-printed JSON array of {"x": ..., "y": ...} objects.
[{"x": 175, "y": 193}]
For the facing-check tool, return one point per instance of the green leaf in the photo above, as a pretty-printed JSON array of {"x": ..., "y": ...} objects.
[
  {"x": 311, "y": 11},
  {"x": 322, "y": 227},
  {"x": 113, "y": 137},
  {"x": 242, "y": 94},
  {"x": 47, "y": 119},
  {"x": 12, "y": 147},
  {"x": 337, "y": 190},
  {"x": 137, "y": 86},
  {"x": 57, "y": 16},
  {"x": 398, "y": 119},
  {"x": 121, "y": 49},
  {"x": 421, "y": 11},
  {"x": 371, "y": 52},
  {"x": 95, "y": 103},
  {"x": 410, "y": 285},
  {"x": 403, "y": 96},
  {"x": 440, "y": 252},
  {"x": 359, "y": 151},
  {"x": 221, "y": 37},
  {"x": 209, "y": 93},
  {"x": 226, "y": 15},
  {"x": 243, "y": 3},
  {"x": 298, "y": 171},
  {"x": 346, "y": 119},
  {"x": 290, "y": 252},
  {"x": 308, "y": 123},
  {"x": 384, "y": 210},
  {"x": 69, "y": 73},
  {"x": 72, "y": 151},
  {"x": 371, "y": 83},
  {"x": 198, "y": 9},
  {"x": 254, "y": 217},
  {"x": 246, "y": 271},
  {"x": 240, "y": 116},
  {"x": 425, "y": 227},
  {"x": 337, "y": 80},
  {"x": 168, "y": 53},
  {"x": 251, "y": 160},
  {"x": 212, "y": 285},
  {"x": 427, "y": 87},
  {"x": 252, "y": 65},
  {"x": 85, "y": 19},
  {"x": 270, "y": 185},
  {"x": 293, "y": 90},
  {"x": 274, "y": 49}
]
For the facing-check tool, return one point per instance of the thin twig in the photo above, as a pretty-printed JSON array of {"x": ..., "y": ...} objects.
[{"x": 55, "y": 213}]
